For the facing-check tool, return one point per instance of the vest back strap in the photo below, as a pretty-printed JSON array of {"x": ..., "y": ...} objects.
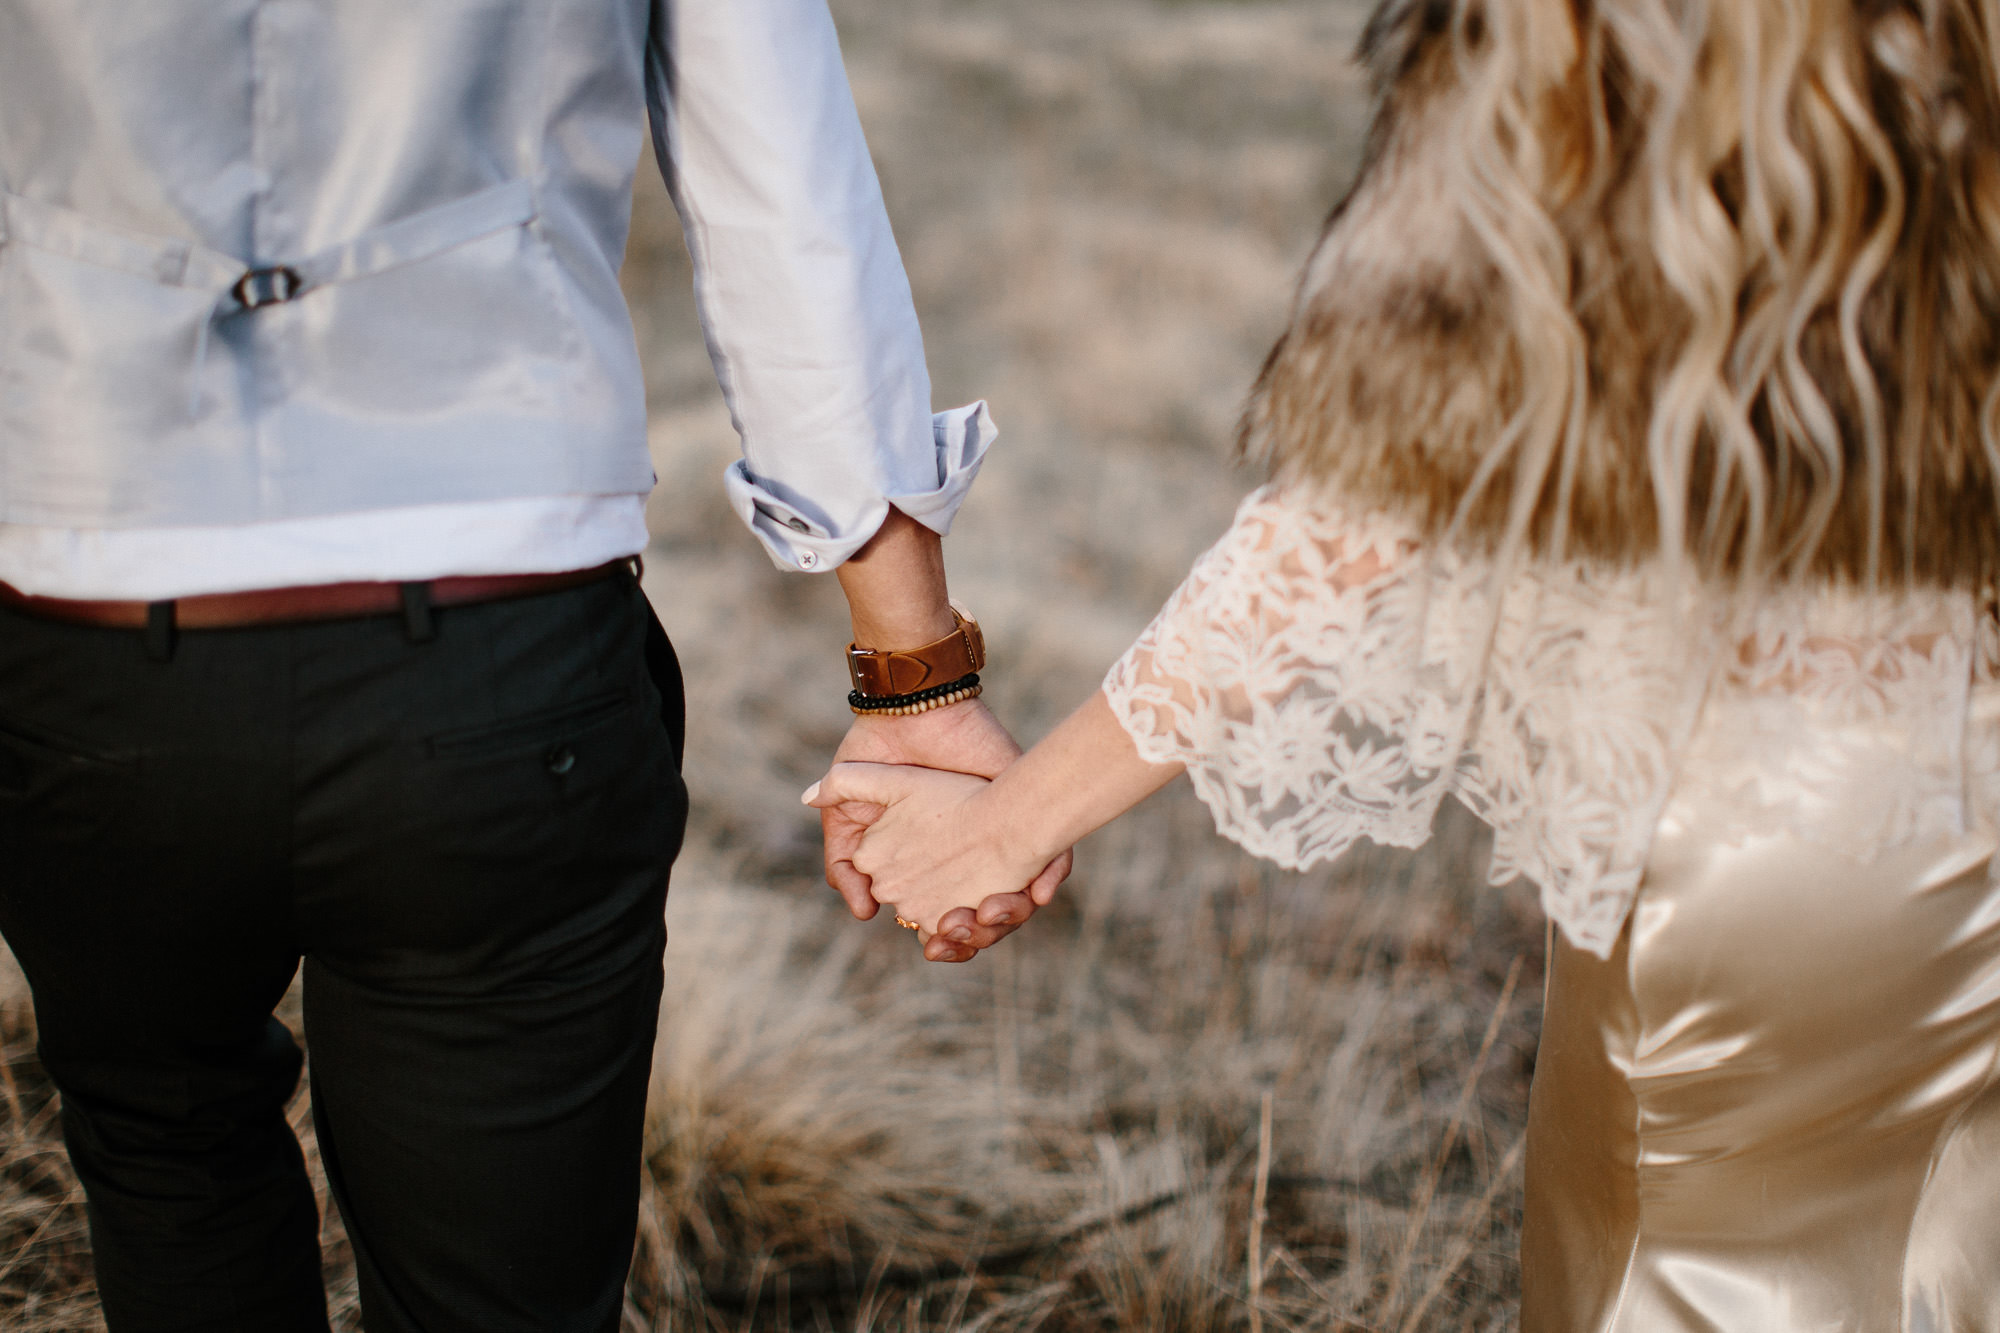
[{"x": 240, "y": 286}]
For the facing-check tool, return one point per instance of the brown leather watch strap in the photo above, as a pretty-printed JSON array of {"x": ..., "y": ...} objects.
[{"x": 957, "y": 655}]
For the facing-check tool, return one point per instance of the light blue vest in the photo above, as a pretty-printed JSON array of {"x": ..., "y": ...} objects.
[{"x": 265, "y": 259}]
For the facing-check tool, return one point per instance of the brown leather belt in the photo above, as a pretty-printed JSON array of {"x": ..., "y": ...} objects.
[{"x": 327, "y": 601}]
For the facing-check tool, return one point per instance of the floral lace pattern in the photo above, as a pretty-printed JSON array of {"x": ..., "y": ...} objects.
[{"x": 1325, "y": 677}]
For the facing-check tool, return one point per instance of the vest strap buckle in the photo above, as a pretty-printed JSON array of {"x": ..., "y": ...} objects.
[{"x": 268, "y": 286}]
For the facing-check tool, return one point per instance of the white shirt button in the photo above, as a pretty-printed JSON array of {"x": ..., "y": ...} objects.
[
  {"x": 808, "y": 560},
  {"x": 798, "y": 525}
]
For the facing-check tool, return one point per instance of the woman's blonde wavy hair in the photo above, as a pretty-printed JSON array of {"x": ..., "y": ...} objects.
[{"x": 1713, "y": 277}]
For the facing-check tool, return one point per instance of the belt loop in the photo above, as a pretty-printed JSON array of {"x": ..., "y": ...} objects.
[
  {"x": 160, "y": 631},
  {"x": 419, "y": 624}
]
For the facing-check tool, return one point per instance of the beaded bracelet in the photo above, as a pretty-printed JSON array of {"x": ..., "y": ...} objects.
[{"x": 921, "y": 701}]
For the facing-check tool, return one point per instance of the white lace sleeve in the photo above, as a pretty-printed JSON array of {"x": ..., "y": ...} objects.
[
  {"x": 1284, "y": 674},
  {"x": 1326, "y": 678}
]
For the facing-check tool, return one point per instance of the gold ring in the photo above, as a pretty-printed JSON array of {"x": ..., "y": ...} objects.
[{"x": 907, "y": 925}]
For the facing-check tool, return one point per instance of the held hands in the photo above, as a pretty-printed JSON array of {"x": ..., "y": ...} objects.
[
  {"x": 930, "y": 844},
  {"x": 896, "y": 598},
  {"x": 932, "y": 847},
  {"x": 957, "y": 748}
]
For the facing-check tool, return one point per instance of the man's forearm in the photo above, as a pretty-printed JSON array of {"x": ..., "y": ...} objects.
[{"x": 895, "y": 587}]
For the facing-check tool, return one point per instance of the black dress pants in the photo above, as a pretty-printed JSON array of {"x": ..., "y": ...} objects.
[{"x": 465, "y": 836}]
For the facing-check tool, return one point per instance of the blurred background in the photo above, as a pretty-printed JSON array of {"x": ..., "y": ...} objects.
[{"x": 1197, "y": 1093}]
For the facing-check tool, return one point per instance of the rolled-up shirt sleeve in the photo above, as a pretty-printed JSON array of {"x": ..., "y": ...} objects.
[{"x": 801, "y": 290}]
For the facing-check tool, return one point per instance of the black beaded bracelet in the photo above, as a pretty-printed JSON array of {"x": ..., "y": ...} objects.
[{"x": 919, "y": 701}]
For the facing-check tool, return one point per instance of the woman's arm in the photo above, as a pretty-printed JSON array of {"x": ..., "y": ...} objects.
[
  {"x": 938, "y": 841},
  {"x": 1296, "y": 628}
]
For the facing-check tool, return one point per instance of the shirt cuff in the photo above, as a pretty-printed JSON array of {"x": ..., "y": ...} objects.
[{"x": 797, "y": 538}]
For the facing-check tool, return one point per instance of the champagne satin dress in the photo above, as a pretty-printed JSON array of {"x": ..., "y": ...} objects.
[
  {"x": 1768, "y": 1095},
  {"x": 1774, "y": 1107}
]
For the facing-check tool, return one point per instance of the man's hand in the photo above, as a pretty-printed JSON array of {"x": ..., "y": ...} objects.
[
  {"x": 896, "y": 599},
  {"x": 964, "y": 738}
]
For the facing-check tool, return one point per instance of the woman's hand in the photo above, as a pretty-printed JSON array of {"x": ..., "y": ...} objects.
[{"x": 932, "y": 842}]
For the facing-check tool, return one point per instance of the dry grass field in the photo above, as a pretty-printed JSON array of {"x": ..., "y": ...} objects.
[{"x": 1196, "y": 1094}]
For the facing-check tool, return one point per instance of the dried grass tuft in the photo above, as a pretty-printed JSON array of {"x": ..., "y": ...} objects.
[
  {"x": 808, "y": 1135},
  {"x": 45, "y": 1280}
]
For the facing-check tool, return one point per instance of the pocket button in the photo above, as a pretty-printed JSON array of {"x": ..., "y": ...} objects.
[{"x": 561, "y": 760}]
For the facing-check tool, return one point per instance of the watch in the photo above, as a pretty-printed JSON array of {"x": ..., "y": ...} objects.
[{"x": 885, "y": 675}]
